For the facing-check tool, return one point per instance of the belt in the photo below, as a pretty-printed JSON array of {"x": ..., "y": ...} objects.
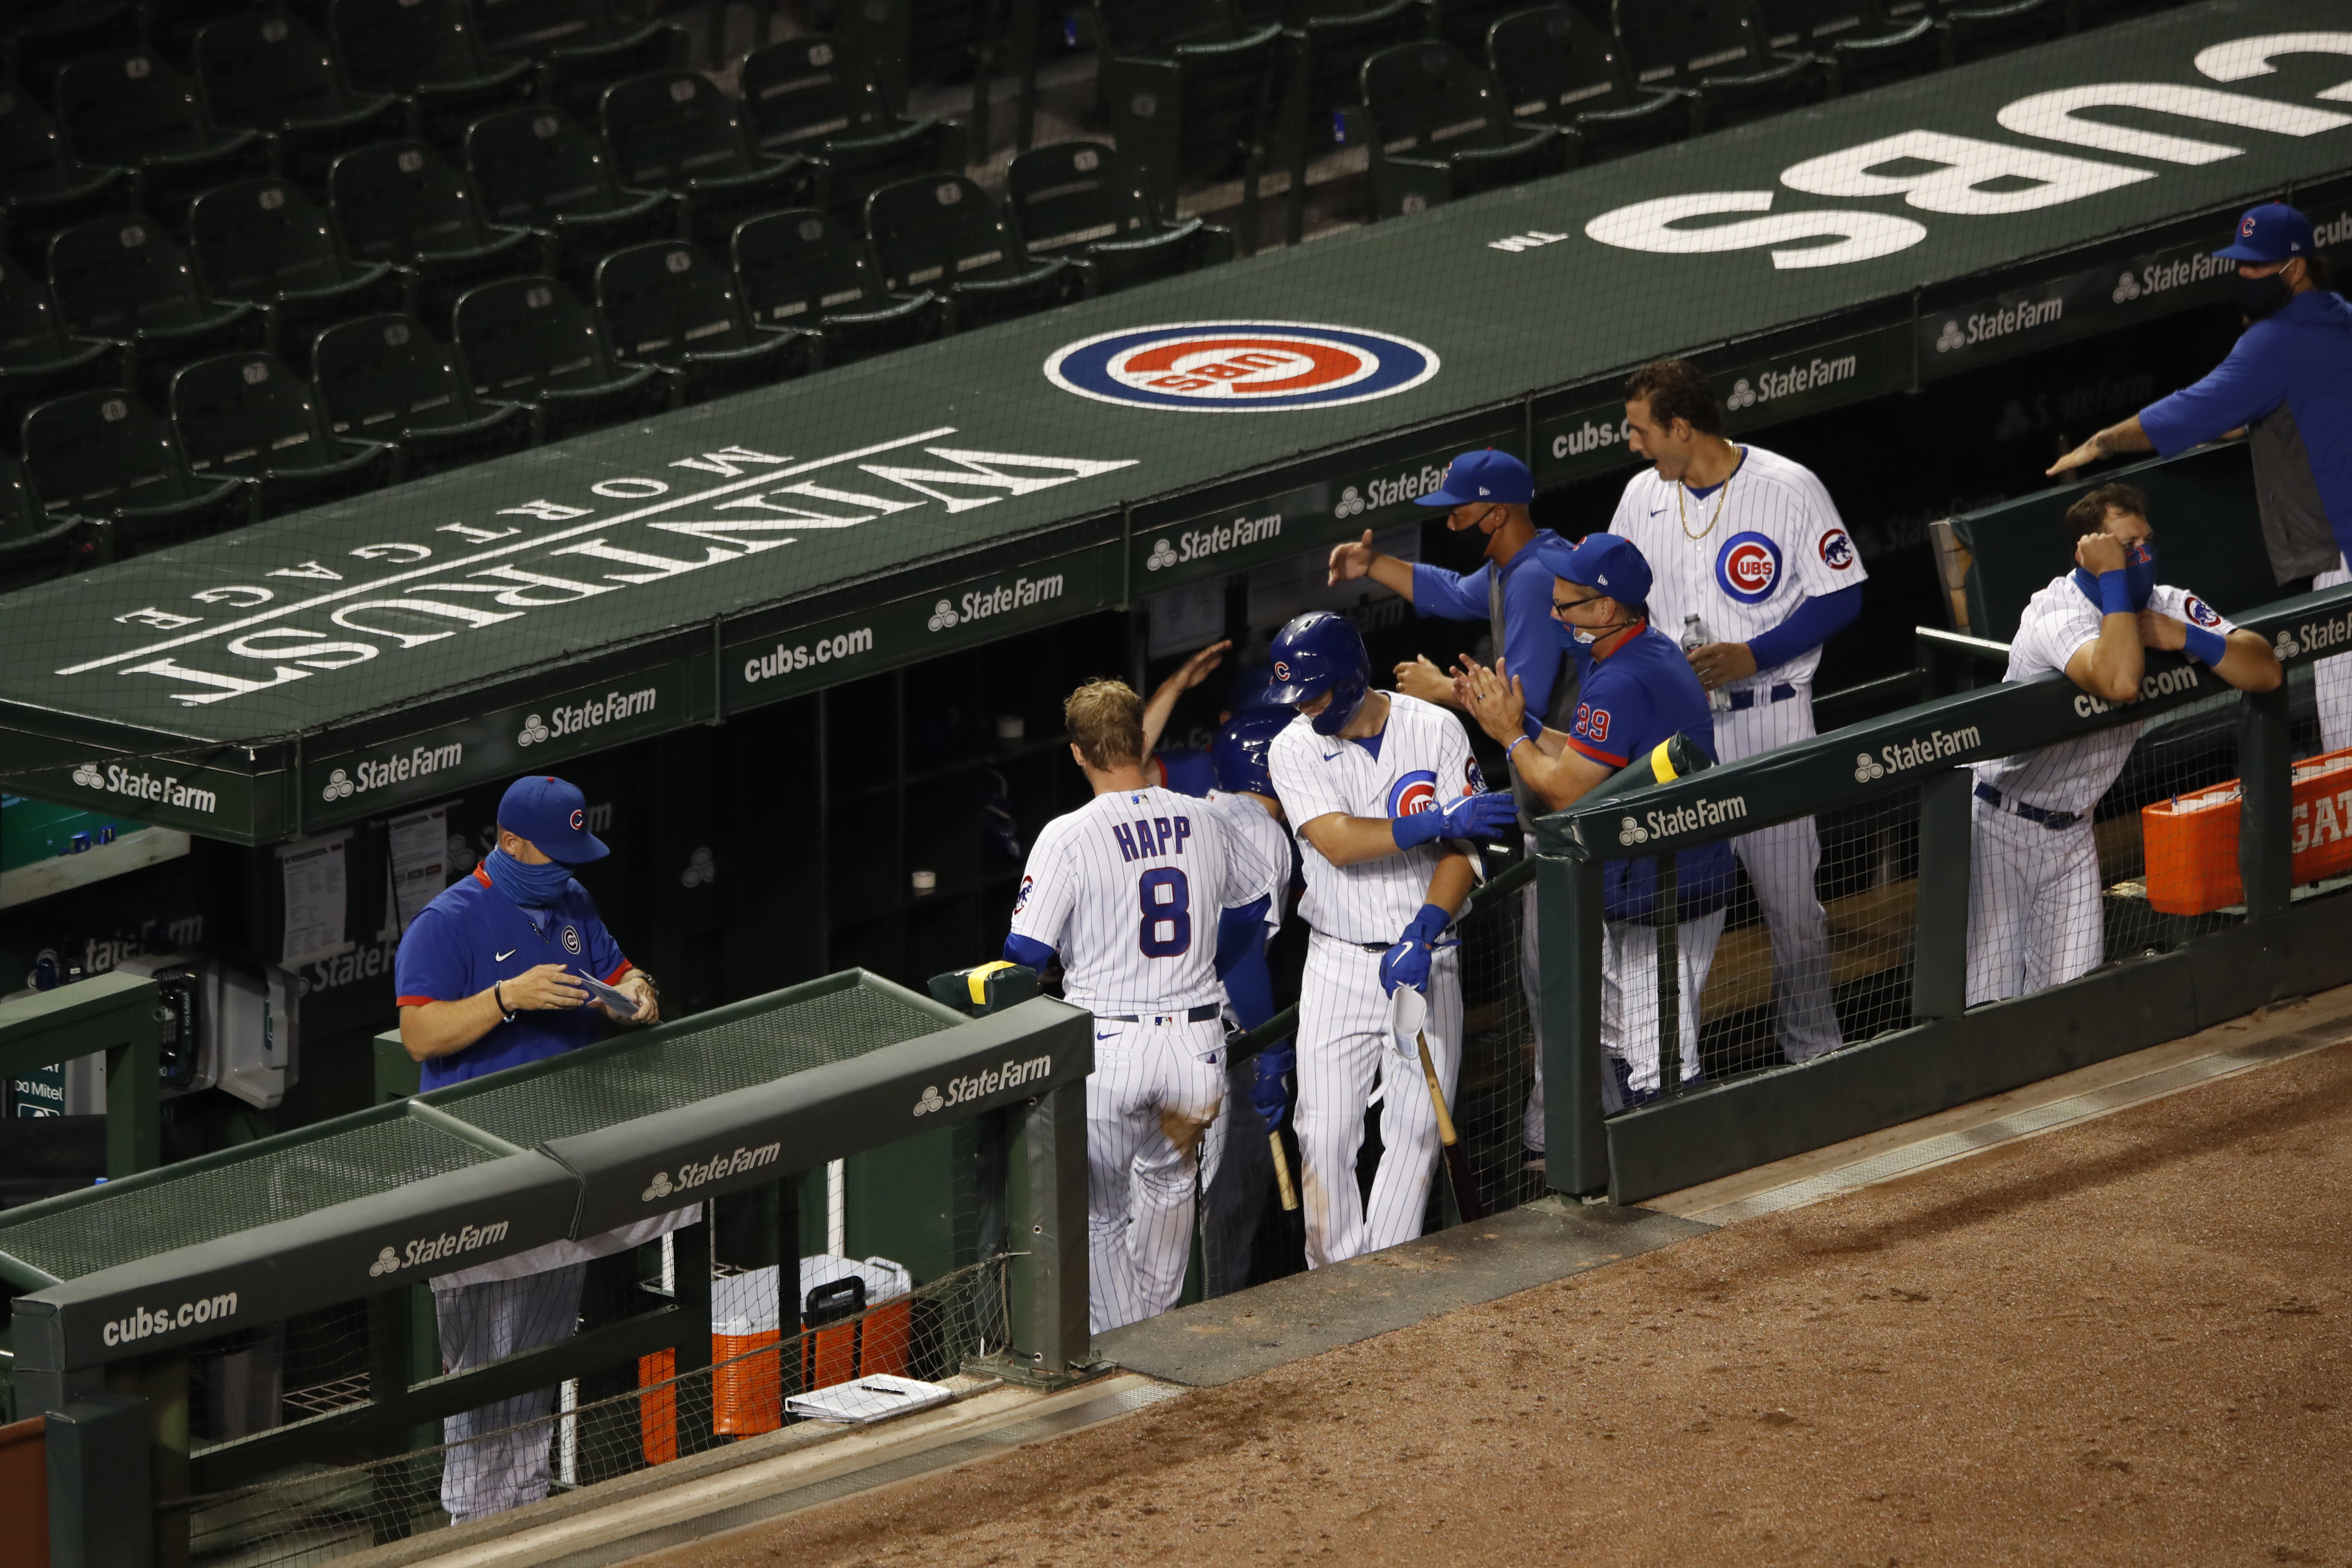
[
  {"x": 1367, "y": 946},
  {"x": 2035, "y": 813},
  {"x": 1200, "y": 1015},
  {"x": 1781, "y": 691}
]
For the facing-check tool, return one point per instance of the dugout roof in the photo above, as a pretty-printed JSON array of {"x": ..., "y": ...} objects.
[{"x": 345, "y": 661}]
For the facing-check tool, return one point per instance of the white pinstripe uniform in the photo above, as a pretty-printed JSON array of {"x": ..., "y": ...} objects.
[
  {"x": 1128, "y": 890},
  {"x": 2034, "y": 889},
  {"x": 2331, "y": 679},
  {"x": 1355, "y": 912},
  {"x": 1769, "y": 540}
]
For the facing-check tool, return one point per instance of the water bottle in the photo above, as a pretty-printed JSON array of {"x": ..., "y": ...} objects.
[{"x": 1695, "y": 634}]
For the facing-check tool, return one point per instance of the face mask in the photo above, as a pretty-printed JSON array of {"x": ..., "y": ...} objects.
[
  {"x": 527, "y": 886},
  {"x": 2263, "y": 297}
]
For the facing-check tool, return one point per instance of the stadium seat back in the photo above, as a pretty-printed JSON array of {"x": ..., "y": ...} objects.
[
  {"x": 531, "y": 165},
  {"x": 1466, "y": 23},
  {"x": 1198, "y": 114},
  {"x": 259, "y": 240},
  {"x": 1335, "y": 49},
  {"x": 1071, "y": 194},
  {"x": 398, "y": 46},
  {"x": 248, "y": 415},
  {"x": 1676, "y": 42},
  {"x": 533, "y": 27},
  {"x": 266, "y": 69},
  {"x": 128, "y": 105},
  {"x": 48, "y": 33},
  {"x": 796, "y": 267},
  {"x": 1802, "y": 25},
  {"x": 1553, "y": 59},
  {"x": 520, "y": 337},
  {"x": 803, "y": 92},
  {"x": 384, "y": 377},
  {"x": 398, "y": 200},
  {"x": 33, "y": 158},
  {"x": 670, "y": 127},
  {"x": 1428, "y": 101},
  {"x": 100, "y": 450},
  {"x": 663, "y": 301},
  {"x": 118, "y": 277},
  {"x": 1155, "y": 27},
  {"x": 32, "y": 333},
  {"x": 937, "y": 231}
]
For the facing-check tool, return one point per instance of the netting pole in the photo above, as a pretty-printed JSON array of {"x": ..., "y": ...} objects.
[
  {"x": 397, "y": 1363},
  {"x": 1939, "y": 928},
  {"x": 1049, "y": 1235},
  {"x": 1568, "y": 954},
  {"x": 690, "y": 1300},
  {"x": 1669, "y": 980},
  {"x": 2266, "y": 810}
]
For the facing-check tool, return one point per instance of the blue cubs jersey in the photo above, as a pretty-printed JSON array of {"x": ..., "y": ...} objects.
[
  {"x": 1634, "y": 699},
  {"x": 1187, "y": 772},
  {"x": 471, "y": 937}
]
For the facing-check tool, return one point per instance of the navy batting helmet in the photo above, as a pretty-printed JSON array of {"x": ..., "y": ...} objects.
[
  {"x": 1238, "y": 753},
  {"x": 1319, "y": 652}
]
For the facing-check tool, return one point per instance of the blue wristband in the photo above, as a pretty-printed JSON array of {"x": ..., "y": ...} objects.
[
  {"x": 2115, "y": 594},
  {"x": 2207, "y": 647}
]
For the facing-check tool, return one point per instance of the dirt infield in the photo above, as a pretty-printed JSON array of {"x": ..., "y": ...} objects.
[{"x": 2124, "y": 1343}]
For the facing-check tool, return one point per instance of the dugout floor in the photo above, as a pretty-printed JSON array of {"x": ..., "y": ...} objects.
[{"x": 2102, "y": 1319}]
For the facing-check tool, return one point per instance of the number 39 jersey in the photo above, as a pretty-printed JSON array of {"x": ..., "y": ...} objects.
[{"x": 1128, "y": 890}]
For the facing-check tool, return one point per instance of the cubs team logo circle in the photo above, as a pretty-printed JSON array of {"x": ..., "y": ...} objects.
[
  {"x": 1748, "y": 567},
  {"x": 1837, "y": 550},
  {"x": 572, "y": 941},
  {"x": 1413, "y": 793},
  {"x": 1234, "y": 367},
  {"x": 2203, "y": 614}
]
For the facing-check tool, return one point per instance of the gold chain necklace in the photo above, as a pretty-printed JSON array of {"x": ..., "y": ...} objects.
[{"x": 1722, "y": 494}]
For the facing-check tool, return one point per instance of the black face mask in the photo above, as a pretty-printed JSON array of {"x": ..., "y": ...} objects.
[{"x": 2263, "y": 297}]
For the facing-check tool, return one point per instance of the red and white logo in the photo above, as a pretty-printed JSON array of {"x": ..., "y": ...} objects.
[
  {"x": 2246, "y": 225},
  {"x": 1413, "y": 793},
  {"x": 1748, "y": 568},
  {"x": 1281, "y": 669},
  {"x": 1837, "y": 550},
  {"x": 579, "y": 820},
  {"x": 1237, "y": 367},
  {"x": 2203, "y": 614}
]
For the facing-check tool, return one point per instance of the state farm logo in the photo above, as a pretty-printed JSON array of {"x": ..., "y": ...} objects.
[
  {"x": 1630, "y": 833},
  {"x": 1230, "y": 367},
  {"x": 1867, "y": 768},
  {"x": 930, "y": 1101},
  {"x": 534, "y": 730},
  {"x": 2285, "y": 647}
]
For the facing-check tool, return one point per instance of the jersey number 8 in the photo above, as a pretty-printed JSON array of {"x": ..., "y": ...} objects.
[{"x": 1167, "y": 900}]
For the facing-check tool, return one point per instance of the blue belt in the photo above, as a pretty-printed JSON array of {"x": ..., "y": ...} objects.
[
  {"x": 2035, "y": 813},
  {"x": 1200, "y": 1015},
  {"x": 1780, "y": 693}
]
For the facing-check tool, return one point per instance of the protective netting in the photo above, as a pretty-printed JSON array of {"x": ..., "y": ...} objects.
[{"x": 861, "y": 1323}]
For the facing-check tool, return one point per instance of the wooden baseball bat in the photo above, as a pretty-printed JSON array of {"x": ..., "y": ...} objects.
[
  {"x": 1282, "y": 1173},
  {"x": 1458, "y": 1158}
]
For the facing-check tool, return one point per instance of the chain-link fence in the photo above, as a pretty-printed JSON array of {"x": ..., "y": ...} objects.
[{"x": 860, "y": 1325}]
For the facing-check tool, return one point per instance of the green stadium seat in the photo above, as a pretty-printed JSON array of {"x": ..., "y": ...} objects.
[
  {"x": 36, "y": 548},
  {"x": 542, "y": 170},
  {"x": 672, "y": 131},
  {"x": 579, "y": 47},
  {"x": 1718, "y": 49},
  {"x": 1187, "y": 113},
  {"x": 265, "y": 71},
  {"x": 38, "y": 358},
  {"x": 131, "y": 109},
  {"x": 426, "y": 51},
  {"x": 105, "y": 454},
  {"x": 1976, "y": 32},
  {"x": 1156, "y": 26},
  {"x": 43, "y": 35},
  {"x": 388, "y": 378},
  {"x": 1464, "y": 24},
  {"x": 529, "y": 341},
  {"x": 943, "y": 233},
  {"x": 670, "y": 305},
  {"x": 807, "y": 269},
  {"x": 249, "y": 416},
  {"x": 401, "y": 203},
  {"x": 804, "y": 96},
  {"x": 265, "y": 242},
  {"x": 41, "y": 189},
  {"x": 1861, "y": 48},
  {"x": 1438, "y": 131},
  {"x": 1554, "y": 66},
  {"x": 128, "y": 280},
  {"x": 1080, "y": 199},
  {"x": 913, "y": 43},
  {"x": 1324, "y": 59},
  {"x": 172, "y": 26}
]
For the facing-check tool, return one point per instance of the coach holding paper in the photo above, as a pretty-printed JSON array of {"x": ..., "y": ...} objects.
[{"x": 2287, "y": 383}]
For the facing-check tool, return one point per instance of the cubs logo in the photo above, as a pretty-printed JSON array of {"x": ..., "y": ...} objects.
[
  {"x": 1473, "y": 781},
  {"x": 1234, "y": 367},
  {"x": 1413, "y": 793},
  {"x": 1020, "y": 898},
  {"x": 572, "y": 941},
  {"x": 1748, "y": 567},
  {"x": 1837, "y": 550},
  {"x": 2203, "y": 614},
  {"x": 579, "y": 820},
  {"x": 2246, "y": 225},
  {"x": 1282, "y": 669}
]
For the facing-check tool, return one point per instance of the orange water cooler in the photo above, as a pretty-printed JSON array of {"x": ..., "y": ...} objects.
[{"x": 2191, "y": 841}]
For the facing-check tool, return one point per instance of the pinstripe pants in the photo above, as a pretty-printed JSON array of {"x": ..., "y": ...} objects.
[
  {"x": 1343, "y": 1043},
  {"x": 481, "y": 1323},
  {"x": 1781, "y": 861},
  {"x": 2331, "y": 680},
  {"x": 1154, "y": 1091},
  {"x": 2034, "y": 905}
]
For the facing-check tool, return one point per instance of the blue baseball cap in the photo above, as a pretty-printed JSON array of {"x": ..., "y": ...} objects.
[
  {"x": 2275, "y": 232},
  {"x": 553, "y": 815},
  {"x": 1609, "y": 562},
  {"x": 1495, "y": 477}
]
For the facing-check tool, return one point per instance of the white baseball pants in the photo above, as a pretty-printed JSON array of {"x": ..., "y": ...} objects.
[
  {"x": 2034, "y": 905},
  {"x": 506, "y": 1466},
  {"x": 1154, "y": 1091},
  {"x": 1344, "y": 1043},
  {"x": 1628, "y": 1008},
  {"x": 1781, "y": 861},
  {"x": 2331, "y": 680}
]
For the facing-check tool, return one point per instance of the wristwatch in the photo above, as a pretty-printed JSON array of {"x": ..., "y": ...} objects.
[{"x": 507, "y": 1014}]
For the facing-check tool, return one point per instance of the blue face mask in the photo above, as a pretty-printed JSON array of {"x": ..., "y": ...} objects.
[
  {"x": 527, "y": 886},
  {"x": 2140, "y": 575}
]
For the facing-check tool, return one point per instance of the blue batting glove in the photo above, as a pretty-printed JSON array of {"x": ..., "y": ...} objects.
[
  {"x": 1465, "y": 817},
  {"x": 1268, "y": 1093},
  {"x": 1407, "y": 962}
]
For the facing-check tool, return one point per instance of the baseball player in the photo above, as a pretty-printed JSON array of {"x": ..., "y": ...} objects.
[
  {"x": 1381, "y": 787},
  {"x": 2034, "y": 887},
  {"x": 1638, "y": 691},
  {"x": 1130, "y": 891},
  {"x": 1752, "y": 571}
]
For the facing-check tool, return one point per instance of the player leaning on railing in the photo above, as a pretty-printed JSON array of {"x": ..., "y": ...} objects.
[{"x": 2033, "y": 893}]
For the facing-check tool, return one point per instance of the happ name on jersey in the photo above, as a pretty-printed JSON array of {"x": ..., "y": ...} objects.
[{"x": 1152, "y": 836}]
